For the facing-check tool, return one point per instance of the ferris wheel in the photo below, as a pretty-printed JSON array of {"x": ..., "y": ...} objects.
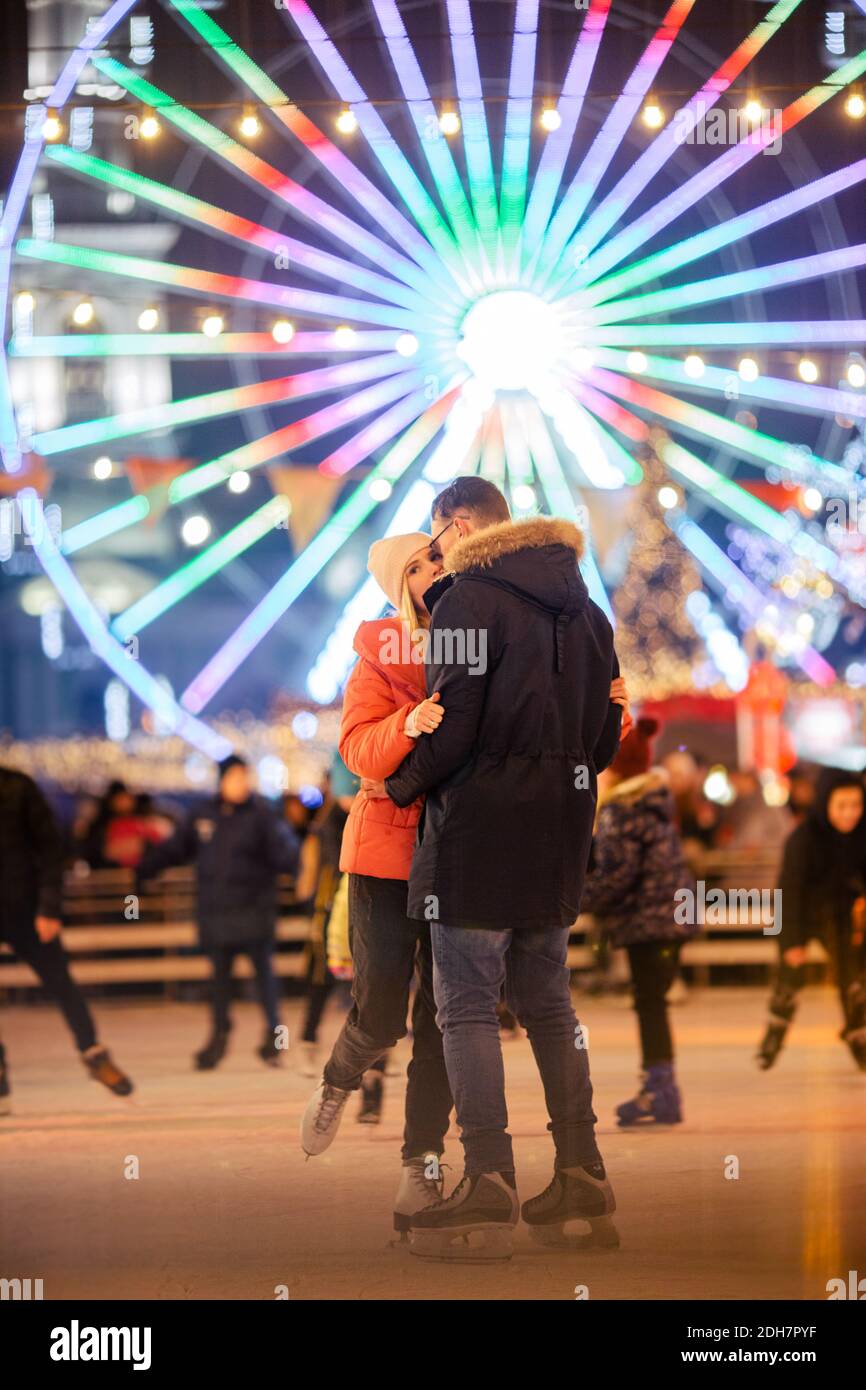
[{"x": 493, "y": 280}]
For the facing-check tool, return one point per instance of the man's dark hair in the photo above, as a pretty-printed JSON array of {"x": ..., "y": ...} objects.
[{"x": 475, "y": 495}]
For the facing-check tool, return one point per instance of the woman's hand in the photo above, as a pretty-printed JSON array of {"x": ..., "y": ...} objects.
[
  {"x": 619, "y": 696},
  {"x": 371, "y": 788},
  {"x": 426, "y": 717}
]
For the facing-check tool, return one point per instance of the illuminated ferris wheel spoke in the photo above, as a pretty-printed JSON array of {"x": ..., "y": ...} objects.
[
  {"x": 518, "y": 131},
  {"x": 706, "y": 424},
  {"x": 518, "y": 459},
  {"x": 732, "y": 584},
  {"x": 282, "y": 441},
  {"x": 303, "y": 344},
  {"x": 198, "y": 213},
  {"x": 740, "y": 282},
  {"x": 194, "y": 409},
  {"x": 382, "y": 144},
  {"x": 725, "y": 234},
  {"x": 434, "y": 145},
  {"x": 311, "y": 561},
  {"x": 721, "y": 381},
  {"x": 104, "y": 524},
  {"x": 201, "y": 568},
  {"x": 272, "y": 183},
  {"x": 379, "y": 431},
  {"x": 633, "y": 429},
  {"x": 811, "y": 332},
  {"x": 616, "y": 203},
  {"x": 189, "y": 279},
  {"x": 563, "y": 499},
  {"x": 492, "y": 466},
  {"x": 626, "y": 242},
  {"x": 332, "y": 159},
  {"x": 548, "y": 175},
  {"x": 580, "y": 191},
  {"x": 476, "y": 137}
]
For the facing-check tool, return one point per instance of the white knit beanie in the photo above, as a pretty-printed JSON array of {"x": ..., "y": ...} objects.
[{"x": 389, "y": 557}]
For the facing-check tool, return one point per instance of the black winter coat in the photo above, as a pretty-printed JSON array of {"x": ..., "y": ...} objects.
[
  {"x": 238, "y": 852},
  {"x": 823, "y": 872},
  {"x": 31, "y": 854},
  {"x": 510, "y": 774},
  {"x": 637, "y": 864}
]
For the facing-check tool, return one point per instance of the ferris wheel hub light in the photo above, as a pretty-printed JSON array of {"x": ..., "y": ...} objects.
[
  {"x": 407, "y": 345},
  {"x": 511, "y": 340}
]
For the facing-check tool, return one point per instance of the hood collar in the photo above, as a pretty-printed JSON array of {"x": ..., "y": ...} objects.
[
  {"x": 483, "y": 548},
  {"x": 636, "y": 788}
]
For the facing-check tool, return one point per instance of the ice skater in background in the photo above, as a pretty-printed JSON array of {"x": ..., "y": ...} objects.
[
  {"x": 637, "y": 866},
  {"x": 823, "y": 883},
  {"x": 31, "y": 882},
  {"x": 239, "y": 847}
]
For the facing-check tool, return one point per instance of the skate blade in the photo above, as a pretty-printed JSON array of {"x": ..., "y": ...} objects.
[
  {"x": 603, "y": 1235},
  {"x": 469, "y": 1245}
]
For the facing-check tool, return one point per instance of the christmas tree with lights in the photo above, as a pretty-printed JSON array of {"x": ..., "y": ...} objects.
[{"x": 657, "y": 644}]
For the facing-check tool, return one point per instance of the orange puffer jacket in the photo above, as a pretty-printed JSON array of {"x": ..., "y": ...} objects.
[{"x": 379, "y": 837}]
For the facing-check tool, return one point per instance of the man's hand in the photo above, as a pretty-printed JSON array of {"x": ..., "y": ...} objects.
[
  {"x": 619, "y": 696},
  {"x": 47, "y": 928},
  {"x": 372, "y": 788}
]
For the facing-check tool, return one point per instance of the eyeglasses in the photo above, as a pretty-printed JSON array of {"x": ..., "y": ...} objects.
[{"x": 442, "y": 533}]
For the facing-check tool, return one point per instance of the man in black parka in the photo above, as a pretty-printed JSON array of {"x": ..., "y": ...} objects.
[{"x": 523, "y": 662}]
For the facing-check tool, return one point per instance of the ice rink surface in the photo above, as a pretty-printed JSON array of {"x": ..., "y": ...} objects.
[{"x": 226, "y": 1206}]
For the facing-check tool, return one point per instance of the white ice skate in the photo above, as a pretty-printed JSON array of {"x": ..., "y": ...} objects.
[
  {"x": 421, "y": 1185},
  {"x": 475, "y": 1224},
  {"x": 321, "y": 1119},
  {"x": 574, "y": 1195}
]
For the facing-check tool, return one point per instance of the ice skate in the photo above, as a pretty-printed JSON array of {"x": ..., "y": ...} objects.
[
  {"x": 421, "y": 1184},
  {"x": 102, "y": 1068},
  {"x": 658, "y": 1099},
  {"x": 372, "y": 1095},
  {"x": 210, "y": 1056},
  {"x": 5, "y": 1089},
  {"x": 310, "y": 1064},
  {"x": 321, "y": 1119},
  {"x": 783, "y": 1006},
  {"x": 854, "y": 1033},
  {"x": 574, "y": 1194},
  {"x": 270, "y": 1053},
  {"x": 474, "y": 1224}
]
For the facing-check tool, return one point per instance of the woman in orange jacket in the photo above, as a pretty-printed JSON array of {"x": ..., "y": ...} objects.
[{"x": 384, "y": 711}]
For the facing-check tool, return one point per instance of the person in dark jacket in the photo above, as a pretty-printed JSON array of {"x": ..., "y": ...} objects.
[
  {"x": 523, "y": 662},
  {"x": 239, "y": 846},
  {"x": 823, "y": 883},
  {"x": 637, "y": 867},
  {"x": 31, "y": 883}
]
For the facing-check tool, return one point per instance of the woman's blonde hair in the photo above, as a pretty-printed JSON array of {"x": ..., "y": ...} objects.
[{"x": 413, "y": 622}]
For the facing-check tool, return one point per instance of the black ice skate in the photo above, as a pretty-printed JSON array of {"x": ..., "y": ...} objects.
[
  {"x": 5, "y": 1088},
  {"x": 213, "y": 1051},
  {"x": 783, "y": 1006},
  {"x": 474, "y": 1224},
  {"x": 269, "y": 1052},
  {"x": 574, "y": 1194},
  {"x": 103, "y": 1068},
  {"x": 372, "y": 1095},
  {"x": 854, "y": 1033}
]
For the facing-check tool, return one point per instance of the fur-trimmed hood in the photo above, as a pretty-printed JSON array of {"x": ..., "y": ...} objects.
[
  {"x": 483, "y": 548},
  {"x": 536, "y": 560}
]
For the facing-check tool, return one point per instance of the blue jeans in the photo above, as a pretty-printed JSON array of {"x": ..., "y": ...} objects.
[{"x": 470, "y": 966}]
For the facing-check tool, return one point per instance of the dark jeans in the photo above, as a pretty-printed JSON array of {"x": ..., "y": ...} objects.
[
  {"x": 48, "y": 960},
  {"x": 384, "y": 944},
  {"x": 653, "y": 969},
  {"x": 260, "y": 953},
  {"x": 470, "y": 967}
]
